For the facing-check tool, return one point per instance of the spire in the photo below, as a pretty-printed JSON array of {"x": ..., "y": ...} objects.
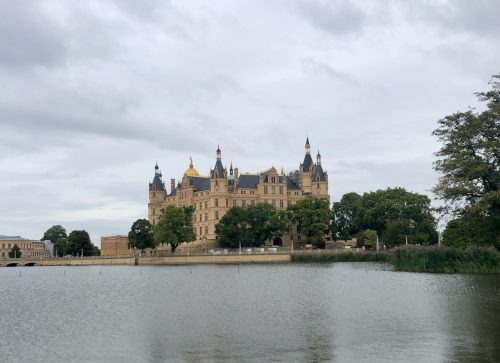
[
  {"x": 218, "y": 152},
  {"x": 218, "y": 171},
  {"x": 306, "y": 165},
  {"x": 231, "y": 168},
  {"x": 318, "y": 158}
]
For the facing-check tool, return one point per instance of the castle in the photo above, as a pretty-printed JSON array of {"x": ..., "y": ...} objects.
[{"x": 212, "y": 196}]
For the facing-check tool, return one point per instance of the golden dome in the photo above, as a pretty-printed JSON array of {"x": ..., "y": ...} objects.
[{"x": 191, "y": 171}]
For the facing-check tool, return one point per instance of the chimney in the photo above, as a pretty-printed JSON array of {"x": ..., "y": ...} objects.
[
  {"x": 236, "y": 172},
  {"x": 172, "y": 185}
]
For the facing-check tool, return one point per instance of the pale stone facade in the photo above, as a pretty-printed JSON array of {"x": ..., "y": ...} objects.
[
  {"x": 29, "y": 248},
  {"x": 212, "y": 196},
  {"x": 114, "y": 245}
]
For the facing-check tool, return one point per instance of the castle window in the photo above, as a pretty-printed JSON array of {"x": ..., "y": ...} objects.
[
  {"x": 206, "y": 204},
  {"x": 194, "y": 217},
  {"x": 206, "y": 229},
  {"x": 273, "y": 203},
  {"x": 216, "y": 202},
  {"x": 201, "y": 231},
  {"x": 289, "y": 203},
  {"x": 273, "y": 189},
  {"x": 153, "y": 194},
  {"x": 234, "y": 202},
  {"x": 281, "y": 189},
  {"x": 217, "y": 215},
  {"x": 243, "y": 203},
  {"x": 281, "y": 203},
  {"x": 265, "y": 189},
  {"x": 252, "y": 192},
  {"x": 206, "y": 217},
  {"x": 154, "y": 211},
  {"x": 252, "y": 202},
  {"x": 227, "y": 202}
]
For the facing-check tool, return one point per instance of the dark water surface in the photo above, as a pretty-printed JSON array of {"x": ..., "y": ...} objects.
[{"x": 343, "y": 312}]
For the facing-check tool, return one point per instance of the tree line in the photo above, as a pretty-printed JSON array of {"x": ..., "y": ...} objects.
[{"x": 74, "y": 244}]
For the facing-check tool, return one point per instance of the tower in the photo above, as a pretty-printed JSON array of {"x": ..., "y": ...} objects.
[
  {"x": 305, "y": 169},
  {"x": 157, "y": 194}
]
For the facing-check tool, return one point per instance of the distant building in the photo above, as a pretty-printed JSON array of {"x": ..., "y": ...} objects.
[
  {"x": 114, "y": 245},
  {"x": 212, "y": 196},
  {"x": 29, "y": 248}
]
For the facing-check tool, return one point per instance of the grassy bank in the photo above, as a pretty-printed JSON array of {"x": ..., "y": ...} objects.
[
  {"x": 418, "y": 259},
  {"x": 446, "y": 260},
  {"x": 347, "y": 256}
]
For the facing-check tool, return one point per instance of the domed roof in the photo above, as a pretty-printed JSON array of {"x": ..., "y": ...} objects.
[{"x": 191, "y": 171}]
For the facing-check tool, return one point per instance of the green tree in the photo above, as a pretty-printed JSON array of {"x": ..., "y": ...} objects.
[
  {"x": 252, "y": 226},
  {"x": 398, "y": 232},
  {"x": 469, "y": 164},
  {"x": 96, "y": 251},
  {"x": 265, "y": 223},
  {"x": 345, "y": 214},
  {"x": 78, "y": 242},
  {"x": 312, "y": 217},
  {"x": 57, "y": 235},
  {"x": 368, "y": 238},
  {"x": 174, "y": 226},
  {"x": 15, "y": 252},
  {"x": 233, "y": 229},
  {"x": 141, "y": 235}
]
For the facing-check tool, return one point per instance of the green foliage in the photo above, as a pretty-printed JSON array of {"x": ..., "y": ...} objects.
[
  {"x": 344, "y": 215},
  {"x": 96, "y": 251},
  {"x": 393, "y": 213},
  {"x": 175, "y": 226},
  {"x": 473, "y": 259},
  {"x": 141, "y": 235},
  {"x": 78, "y": 242},
  {"x": 57, "y": 235},
  {"x": 345, "y": 256},
  {"x": 252, "y": 226},
  {"x": 312, "y": 216},
  {"x": 368, "y": 238},
  {"x": 469, "y": 165},
  {"x": 15, "y": 252}
]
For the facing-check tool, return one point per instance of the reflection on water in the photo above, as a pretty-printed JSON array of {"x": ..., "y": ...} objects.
[{"x": 341, "y": 312}]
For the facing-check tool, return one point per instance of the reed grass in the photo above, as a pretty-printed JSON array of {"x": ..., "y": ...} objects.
[
  {"x": 417, "y": 259},
  {"x": 446, "y": 259},
  {"x": 367, "y": 256}
]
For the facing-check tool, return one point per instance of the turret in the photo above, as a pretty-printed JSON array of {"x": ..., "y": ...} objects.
[
  {"x": 157, "y": 185},
  {"x": 218, "y": 153},
  {"x": 218, "y": 172}
]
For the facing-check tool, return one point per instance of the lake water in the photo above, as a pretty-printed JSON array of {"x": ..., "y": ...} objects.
[{"x": 343, "y": 312}]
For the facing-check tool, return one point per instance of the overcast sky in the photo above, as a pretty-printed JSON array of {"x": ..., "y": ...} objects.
[{"x": 94, "y": 92}]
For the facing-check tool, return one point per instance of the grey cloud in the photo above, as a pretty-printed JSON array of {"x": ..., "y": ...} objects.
[
  {"x": 481, "y": 16},
  {"x": 339, "y": 17},
  {"x": 28, "y": 36},
  {"x": 314, "y": 67}
]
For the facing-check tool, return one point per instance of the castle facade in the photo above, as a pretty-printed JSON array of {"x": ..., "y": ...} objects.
[{"x": 212, "y": 196}]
